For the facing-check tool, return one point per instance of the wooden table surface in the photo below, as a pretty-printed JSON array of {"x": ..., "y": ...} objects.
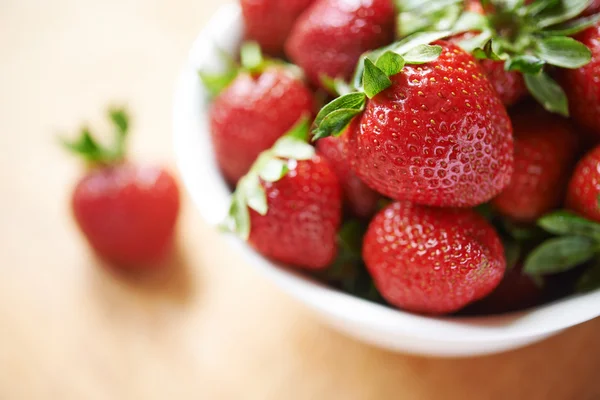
[{"x": 209, "y": 327}]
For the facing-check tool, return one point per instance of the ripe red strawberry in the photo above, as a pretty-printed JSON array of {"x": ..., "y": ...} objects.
[
  {"x": 289, "y": 205},
  {"x": 252, "y": 113},
  {"x": 582, "y": 85},
  {"x": 432, "y": 261},
  {"x": 545, "y": 152},
  {"x": 127, "y": 212},
  {"x": 584, "y": 187},
  {"x": 516, "y": 291},
  {"x": 437, "y": 136},
  {"x": 361, "y": 200},
  {"x": 329, "y": 38},
  {"x": 269, "y": 22},
  {"x": 593, "y": 8}
]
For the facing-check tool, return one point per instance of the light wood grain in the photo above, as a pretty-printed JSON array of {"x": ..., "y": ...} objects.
[{"x": 208, "y": 327}]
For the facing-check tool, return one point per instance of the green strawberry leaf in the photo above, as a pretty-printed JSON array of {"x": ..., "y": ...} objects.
[
  {"x": 335, "y": 123},
  {"x": 568, "y": 223},
  {"x": 590, "y": 280},
  {"x": 216, "y": 83},
  {"x": 476, "y": 42},
  {"x": 405, "y": 45},
  {"x": 486, "y": 52},
  {"x": 598, "y": 201},
  {"x": 92, "y": 151},
  {"x": 375, "y": 80},
  {"x": 559, "y": 255},
  {"x": 524, "y": 63},
  {"x": 422, "y": 53},
  {"x": 288, "y": 147},
  {"x": 563, "y": 52},
  {"x": 547, "y": 92},
  {"x": 471, "y": 21},
  {"x": 431, "y": 16},
  {"x": 564, "y": 11},
  {"x": 390, "y": 63},
  {"x": 352, "y": 101},
  {"x": 251, "y": 57},
  {"x": 273, "y": 170},
  {"x": 574, "y": 26},
  {"x": 539, "y": 6},
  {"x": 252, "y": 191},
  {"x": 238, "y": 220}
]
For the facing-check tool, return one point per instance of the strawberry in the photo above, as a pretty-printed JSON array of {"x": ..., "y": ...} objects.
[
  {"x": 521, "y": 43},
  {"x": 126, "y": 211},
  {"x": 288, "y": 206},
  {"x": 269, "y": 22},
  {"x": 545, "y": 152},
  {"x": 330, "y": 36},
  {"x": 584, "y": 187},
  {"x": 434, "y": 133},
  {"x": 432, "y": 261},
  {"x": 582, "y": 85},
  {"x": 361, "y": 200},
  {"x": 262, "y": 102}
]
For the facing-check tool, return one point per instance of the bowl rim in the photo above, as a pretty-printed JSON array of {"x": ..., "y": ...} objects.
[{"x": 201, "y": 175}]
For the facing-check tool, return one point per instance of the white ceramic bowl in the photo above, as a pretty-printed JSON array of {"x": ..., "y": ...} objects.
[{"x": 384, "y": 327}]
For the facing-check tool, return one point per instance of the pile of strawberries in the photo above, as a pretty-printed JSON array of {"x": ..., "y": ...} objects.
[{"x": 452, "y": 165}]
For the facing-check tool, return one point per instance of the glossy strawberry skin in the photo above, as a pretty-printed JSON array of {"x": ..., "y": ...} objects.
[
  {"x": 582, "y": 85},
  {"x": 584, "y": 187},
  {"x": 252, "y": 113},
  {"x": 127, "y": 213},
  {"x": 432, "y": 261},
  {"x": 545, "y": 153},
  {"x": 361, "y": 199},
  {"x": 269, "y": 22},
  {"x": 329, "y": 38},
  {"x": 304, "y": 215},
  {"x": 438, "y": 136},
  {"x": 509, "y": 85}
]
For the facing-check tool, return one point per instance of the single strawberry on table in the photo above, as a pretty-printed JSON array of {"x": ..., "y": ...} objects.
[
  {"x": 269, "y": 22},
  {"x": 329, "y": 38},
  {"x": 289, "y": 204},
  {"x": 431, "y": 260},
  {"x": 126, "y": 211},
  {"x": 431, "y": 131},
  {"x": 546, "y": 148},
  {"x": 361, "y": 200},
  {"x": 253, "y": 110}
]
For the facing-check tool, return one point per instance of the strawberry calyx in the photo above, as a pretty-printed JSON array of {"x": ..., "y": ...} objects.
[
  {"x": 372, "y": 76},
  {"x": 270, "y": 166},
  {"x": 529, "y": 38},
  {"x": 575, "y": 242},
  {"x": 96, "y": 153},
  {"x": 252, "y": 61}
]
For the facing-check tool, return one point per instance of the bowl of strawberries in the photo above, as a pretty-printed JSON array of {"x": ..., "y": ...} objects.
[{"x": 425, "y": 177}]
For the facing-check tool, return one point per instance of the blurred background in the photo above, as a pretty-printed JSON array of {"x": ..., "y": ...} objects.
[{"x": 207, "y": 326}]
